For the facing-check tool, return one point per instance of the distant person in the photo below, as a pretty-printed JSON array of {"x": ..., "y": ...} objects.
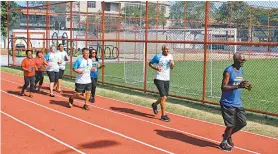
[
  {"x": 94, "y": 73},
  {"x": 64, "y": 57},
  {"x": 40, "y": 63},
  {"x": 29, "y": 67},
  {"x": 164, "y": 63},
  {"x": 232, "y": 109},
  {"x": 53, "y": 60}
]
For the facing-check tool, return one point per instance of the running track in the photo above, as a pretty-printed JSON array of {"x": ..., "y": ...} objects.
[{"x": 43, "y": 124}]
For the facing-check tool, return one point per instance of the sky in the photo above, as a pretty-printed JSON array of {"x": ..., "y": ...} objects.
[{"x": 272, "y": 4}]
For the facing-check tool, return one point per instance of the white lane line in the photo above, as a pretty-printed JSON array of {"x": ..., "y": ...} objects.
[
  {"x": 43, "y": 133},
  {"x": 106, "y": 129},
  {"x": 197, "y": 136},
  {"x": 150, "y": 109}
]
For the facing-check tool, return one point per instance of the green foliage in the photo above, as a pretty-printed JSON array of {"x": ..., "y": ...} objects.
[
  {"x": 76, "y": 54},
  {"x": 93, "y": 24},
  {"x": 3, "y": 18},
  {"x": 14, "y": 17},
  {"x": 188, "y": 10},
  {"x": 139, "y": 11},
  {"x": 154, "y": 12},
  {"x": 240, "y": 19},
  {"x": 240, "y": 14}
]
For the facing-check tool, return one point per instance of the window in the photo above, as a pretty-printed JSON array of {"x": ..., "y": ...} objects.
[
  {"x": 107, "y": 6},
  {"x": 92, "y": 4},
  {"x": 41, "y": 18},
  {"x": 32, "y": 18},
  {"x": 23, "y": 18}
]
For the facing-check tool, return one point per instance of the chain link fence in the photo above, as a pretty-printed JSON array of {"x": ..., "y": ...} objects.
[{"x": 203, "y": 36}]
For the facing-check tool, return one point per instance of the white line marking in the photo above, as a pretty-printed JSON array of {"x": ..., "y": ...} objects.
[
  {"x": 53, "y": 138},
  {"x": 197, "y": 136},
  {"x": 150, "y": 109},
  {"x": 106, "y": 129}
]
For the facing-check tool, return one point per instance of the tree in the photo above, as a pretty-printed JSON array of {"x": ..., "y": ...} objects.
[
  {"x": 136, "y": 11},
  {"x": 153, "y": 13},
  {"x": 241, "y": 19},
  {"x": 93, "y": 25},
  {"x": 14, "y": 18},
  {"x": 260, "y": 23},
  {"x": 273, "y": 17},
  {"x": 4, "y": 18},
  {"x": 182, "y": 11},
  {"x": 240, "y": 14},
  {"x": 274, "y": 22},
  {"x": 189, "y": 14}
]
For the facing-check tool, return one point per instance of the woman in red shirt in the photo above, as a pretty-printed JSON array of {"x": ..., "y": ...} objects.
[
  {"x": 40, "y": 63},
  {"x": 29, "y": 67}
]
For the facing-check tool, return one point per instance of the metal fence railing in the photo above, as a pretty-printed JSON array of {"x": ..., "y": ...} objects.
[{"x": 202, "y": 37}]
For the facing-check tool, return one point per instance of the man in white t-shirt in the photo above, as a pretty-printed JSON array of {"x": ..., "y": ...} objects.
[
  {"x": 82, "y": 67},
  {"x": 164, "y": 63},
  {"x": 64, "y": 57}
]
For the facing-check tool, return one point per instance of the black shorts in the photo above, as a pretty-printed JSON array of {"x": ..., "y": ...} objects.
[
  {"x": 231, "y": 115},
  {"x": 53, "y": 76},
  {"x": 61, "y": 73},
  {"x": 162, "y": 86},
  {"x": 83, "y": 87}
]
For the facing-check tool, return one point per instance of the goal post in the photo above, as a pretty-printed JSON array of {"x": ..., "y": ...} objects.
[{"x": 134, "y": 53}]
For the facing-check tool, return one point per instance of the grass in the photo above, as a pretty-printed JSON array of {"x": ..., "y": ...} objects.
[
  {"x": 187, "y": 80},
  {"x": 260, "y": 124}
]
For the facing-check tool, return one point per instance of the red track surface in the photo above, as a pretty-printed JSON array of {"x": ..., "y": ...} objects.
[{"x": 108, "y": 127}]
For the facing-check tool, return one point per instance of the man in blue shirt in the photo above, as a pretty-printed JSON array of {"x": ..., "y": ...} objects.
[
  {"x": 82, "y": 67},
  {"x": 232, "y": 109}
]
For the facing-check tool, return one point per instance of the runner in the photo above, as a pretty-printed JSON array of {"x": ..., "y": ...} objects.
[
  {"x": 82, "y": 67},
  {"x": 29, "y": 68},
  {"x": 94, "y": 74},
  {"x": 164, "y": 62},
  {"x": 64, "y": 57},
  {"x": 53, "y": 60},
  {"x": 231, "y": 104},
  {"x": 40, "y": 64}
]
